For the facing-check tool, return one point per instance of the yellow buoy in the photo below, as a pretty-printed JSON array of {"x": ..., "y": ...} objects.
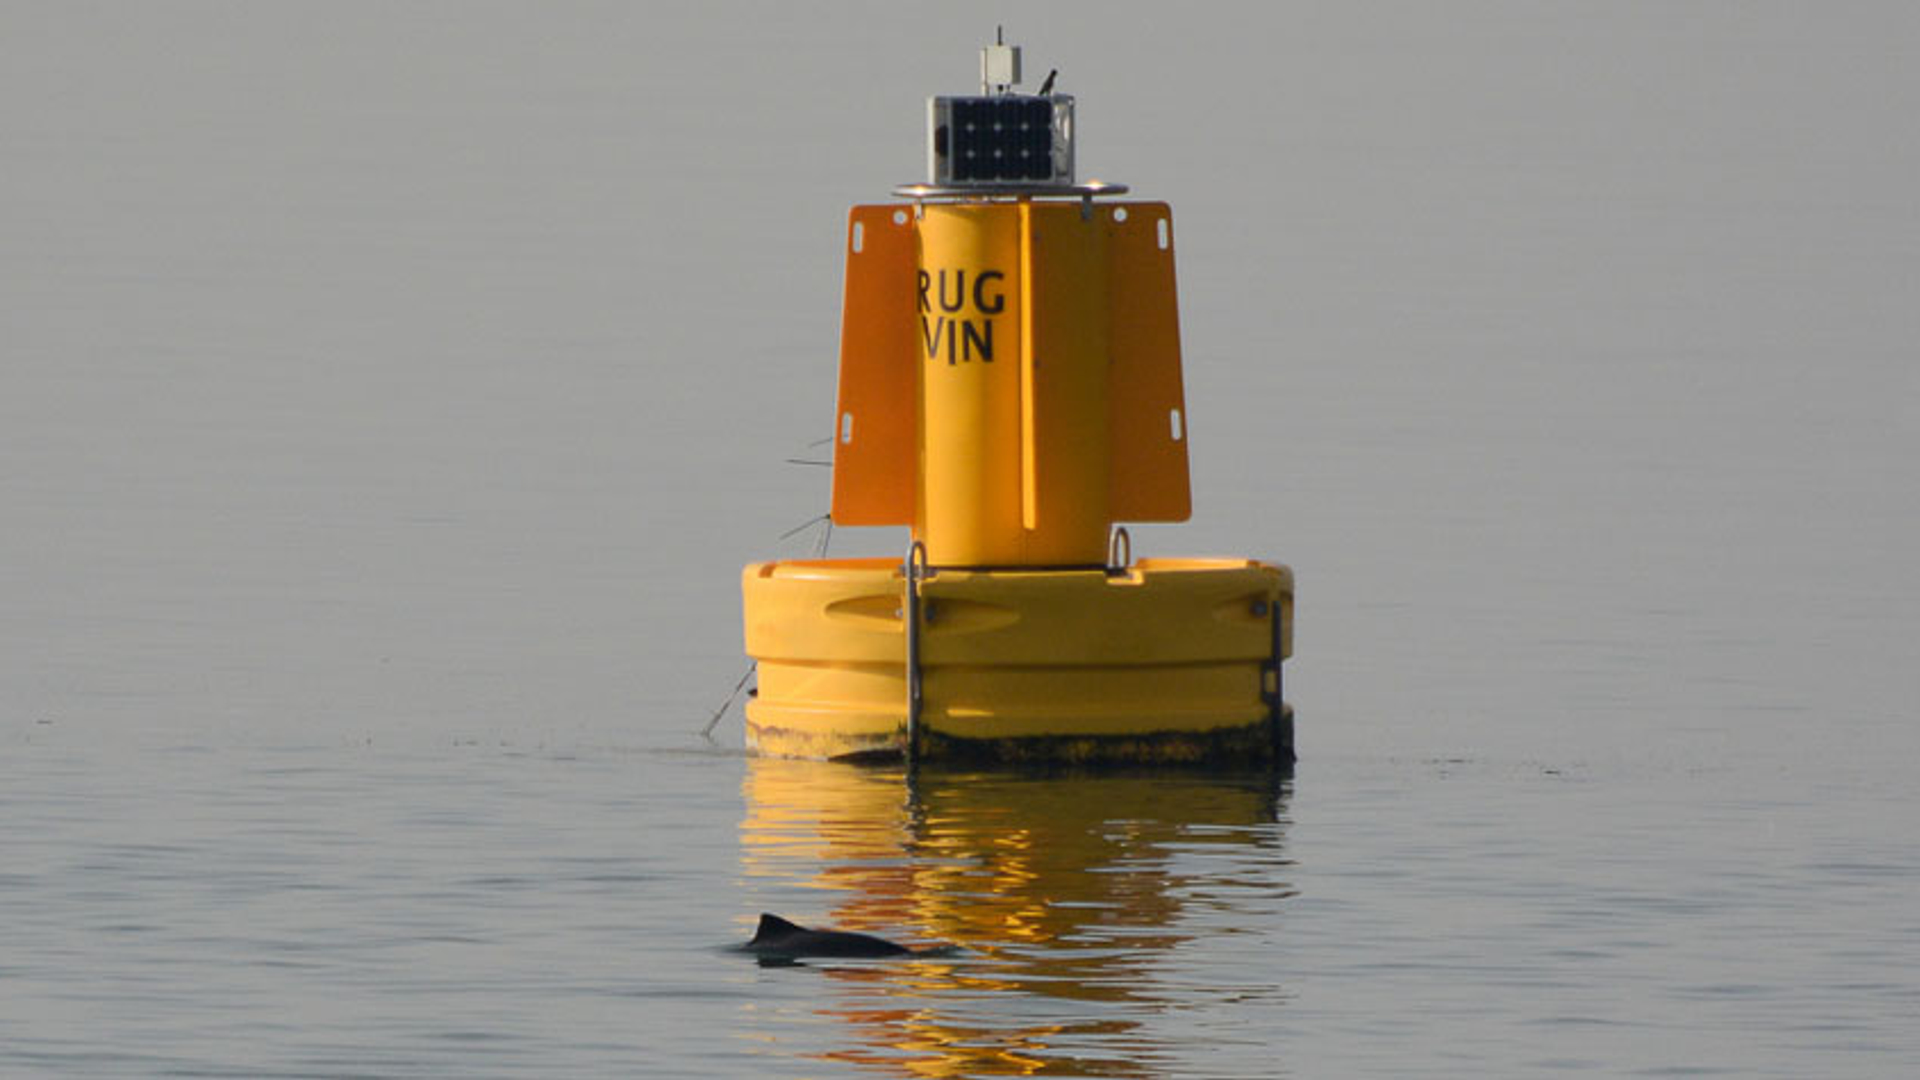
[{"x": 1009, "y": 389}]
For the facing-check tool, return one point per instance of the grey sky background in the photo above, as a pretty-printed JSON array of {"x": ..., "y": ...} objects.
[{"x": 426, "y": 368}]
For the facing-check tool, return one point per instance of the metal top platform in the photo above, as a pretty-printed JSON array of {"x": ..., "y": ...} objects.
[{"x": 1011, "y": 190}]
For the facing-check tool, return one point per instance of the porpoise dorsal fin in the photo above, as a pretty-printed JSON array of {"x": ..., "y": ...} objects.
[{"x": 772, "y": 926}]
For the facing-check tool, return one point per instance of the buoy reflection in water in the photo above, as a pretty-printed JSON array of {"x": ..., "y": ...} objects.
[{"x": 1090, "y": 910}]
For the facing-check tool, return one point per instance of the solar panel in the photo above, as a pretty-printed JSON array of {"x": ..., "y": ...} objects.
[{"x": 1002, "y": 139}]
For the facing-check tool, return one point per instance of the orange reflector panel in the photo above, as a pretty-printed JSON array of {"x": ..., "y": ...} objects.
[
  {"x": 1147, "y": 407},
  {"x": 876, "y": 431}
]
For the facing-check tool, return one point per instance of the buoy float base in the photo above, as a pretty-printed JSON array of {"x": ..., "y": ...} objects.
[{"x": 1166, "y": 660}]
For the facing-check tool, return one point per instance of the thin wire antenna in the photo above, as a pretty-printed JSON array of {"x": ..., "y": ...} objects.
[
  {"x": 819, "y": 551},
  {"x": 801, "y": 459},
  {"x": 807, "y": 524},
  {"x": 707, "y": 732}
]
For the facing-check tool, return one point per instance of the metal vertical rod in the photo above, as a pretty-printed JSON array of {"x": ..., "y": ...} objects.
[
  {"x": 1280, "y": 730},
  {"x": 916, "y": 571}
]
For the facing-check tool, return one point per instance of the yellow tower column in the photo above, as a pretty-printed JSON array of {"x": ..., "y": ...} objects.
[
  {"x": 1012, "y": 308},
  {"x": 968, "y": 296}
]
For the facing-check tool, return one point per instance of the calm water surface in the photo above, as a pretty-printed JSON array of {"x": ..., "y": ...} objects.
[
  {"x": 390, "y": 397},
  {"x": 488, "y": 910}
]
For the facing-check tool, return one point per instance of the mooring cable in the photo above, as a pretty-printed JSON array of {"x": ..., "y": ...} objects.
[{"x": 707, "y": 732}]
